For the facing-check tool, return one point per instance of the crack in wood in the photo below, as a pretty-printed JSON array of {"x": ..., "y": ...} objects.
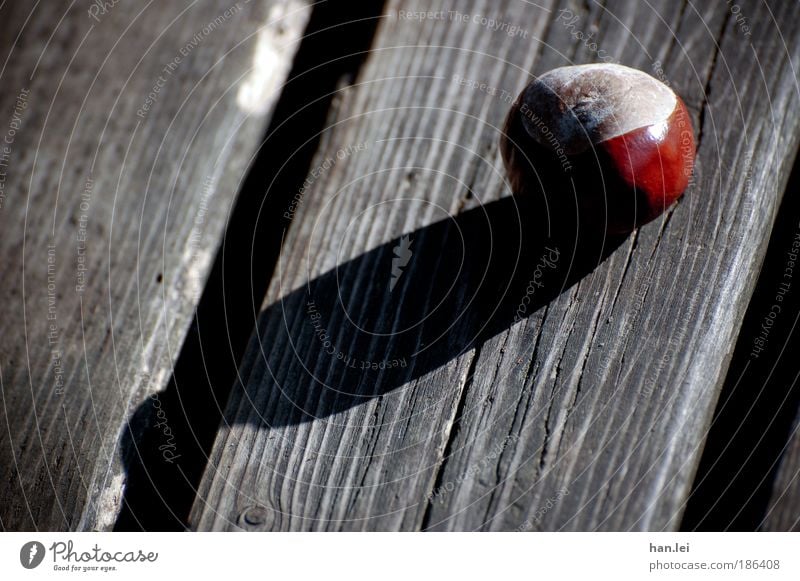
[
  {"x": 451, "y": 437},
  {"x": 707, "y": 87}
]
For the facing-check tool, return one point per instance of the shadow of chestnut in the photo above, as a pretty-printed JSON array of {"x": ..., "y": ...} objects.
[{"x": 370, "y": 325}]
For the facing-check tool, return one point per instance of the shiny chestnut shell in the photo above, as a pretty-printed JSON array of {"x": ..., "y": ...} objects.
[{"x": 613, "y": 138}]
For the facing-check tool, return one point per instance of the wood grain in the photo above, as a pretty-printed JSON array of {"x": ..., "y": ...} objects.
[
  {"x": 139, "y": 123},
  {"x": 590, "y": 411}
]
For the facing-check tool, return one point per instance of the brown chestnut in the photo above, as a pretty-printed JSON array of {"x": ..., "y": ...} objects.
[{"x": 622, "y": 140}]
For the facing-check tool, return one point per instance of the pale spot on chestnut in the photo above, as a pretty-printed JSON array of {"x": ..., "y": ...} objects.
[{"x": 623, "y": 138}]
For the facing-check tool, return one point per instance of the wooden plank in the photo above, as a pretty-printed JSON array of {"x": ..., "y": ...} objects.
[
  {"x": 586, "y": 414},
  {"x": 139, "y": 123},
  {"x": 738, "y": 476}
]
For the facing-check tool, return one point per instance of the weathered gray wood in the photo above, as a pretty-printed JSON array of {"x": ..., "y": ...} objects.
[
  {"x": 783, "y": 513},
  {"x": 589, "y": 412},
  {"x": 100, "y": 280}
]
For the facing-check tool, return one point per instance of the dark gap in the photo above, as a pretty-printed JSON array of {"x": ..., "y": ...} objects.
[
  {"x": 163, "y": 473},
  {"x": 728, "y": 492}
]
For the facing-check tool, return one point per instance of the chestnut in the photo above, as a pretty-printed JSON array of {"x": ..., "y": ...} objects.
[{"x": 615, "y": 141}]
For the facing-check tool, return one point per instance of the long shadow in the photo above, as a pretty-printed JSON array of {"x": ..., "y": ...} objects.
[
  {"x": 376, "y": 322},
  {"x": 409, "y": 306}
]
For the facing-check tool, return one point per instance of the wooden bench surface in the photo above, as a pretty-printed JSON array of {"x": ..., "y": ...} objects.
[
  {"x": 589, "y": 413},
  {"x": 405, "y": 372}
]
